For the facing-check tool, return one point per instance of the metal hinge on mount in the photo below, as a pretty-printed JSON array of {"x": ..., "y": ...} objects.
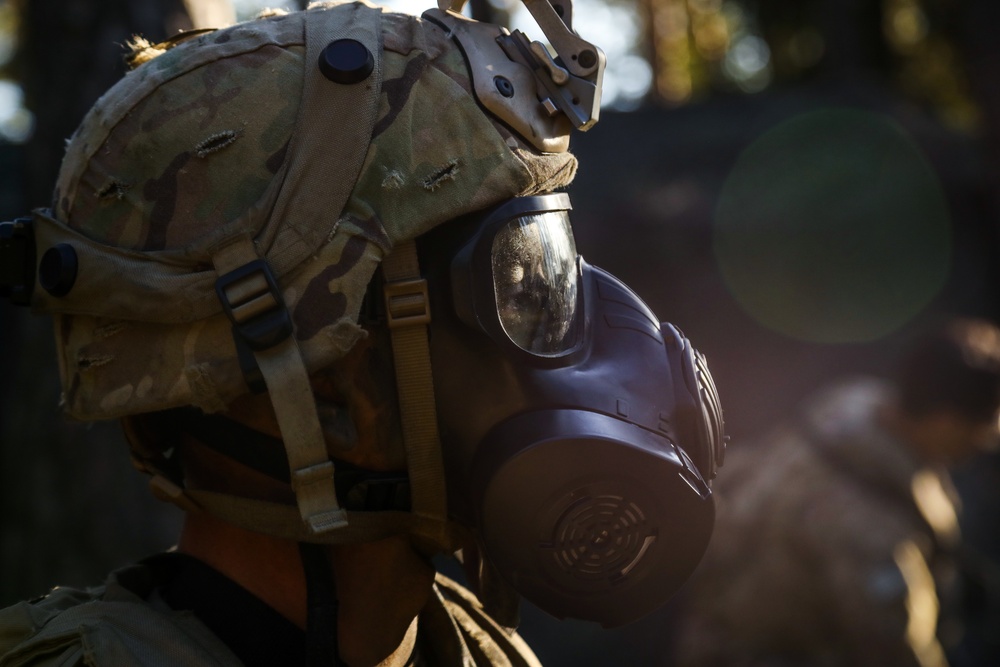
[{"x": 519, "y": 81}]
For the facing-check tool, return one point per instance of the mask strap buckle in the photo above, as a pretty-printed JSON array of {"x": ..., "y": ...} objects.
[{"x": 407, "y": 303}]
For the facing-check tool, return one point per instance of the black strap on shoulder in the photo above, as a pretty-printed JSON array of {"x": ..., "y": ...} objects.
[
  {"x": 322, "y": 647},
  {"x": 255, "y": 632}
]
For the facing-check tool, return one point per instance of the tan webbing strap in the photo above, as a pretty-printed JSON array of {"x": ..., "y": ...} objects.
[
  {"x": 408, "y": 313},
  {"x": 251, "y": 296},
  {"x": 323, "y": 170}
]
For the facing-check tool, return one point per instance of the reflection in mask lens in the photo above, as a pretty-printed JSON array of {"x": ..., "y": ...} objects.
[{"x": 534, "y": 274}]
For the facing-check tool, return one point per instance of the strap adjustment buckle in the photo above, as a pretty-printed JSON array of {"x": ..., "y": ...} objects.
[
  {"x": 253, "y": 303},
  {"x": 311, "y": 485},
  {"x": 407, "y": 303}
]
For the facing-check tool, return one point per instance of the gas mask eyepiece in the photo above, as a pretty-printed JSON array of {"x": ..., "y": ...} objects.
[
  {"x": 579, "y": 434},
  {"x": 535, "y": 283}
]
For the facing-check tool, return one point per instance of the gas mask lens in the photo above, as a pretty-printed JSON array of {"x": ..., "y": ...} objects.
[{"x": 535, "y": 282}]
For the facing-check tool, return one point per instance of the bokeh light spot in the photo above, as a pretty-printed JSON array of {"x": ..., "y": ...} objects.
[{"x": 832, "y": 227}]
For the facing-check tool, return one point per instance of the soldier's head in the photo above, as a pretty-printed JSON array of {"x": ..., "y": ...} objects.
[
  {"x": 323, "y": 257},
  {"x": 949, "y": 389}
]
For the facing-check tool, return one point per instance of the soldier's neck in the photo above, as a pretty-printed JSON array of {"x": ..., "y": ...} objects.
[{"x": 381, "y": 586}]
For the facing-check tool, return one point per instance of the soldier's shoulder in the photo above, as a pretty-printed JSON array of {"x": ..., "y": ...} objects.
[
  {"x": 31, "y": 632},
  {"x": 105, "y": 626}
]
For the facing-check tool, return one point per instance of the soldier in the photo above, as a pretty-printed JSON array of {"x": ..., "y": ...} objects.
[
  {"x": 318, "y": 265},
  {"x": 837, "y": 539}
]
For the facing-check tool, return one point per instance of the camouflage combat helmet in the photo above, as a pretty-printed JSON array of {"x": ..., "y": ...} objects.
[{"x": 221, "y": 211}]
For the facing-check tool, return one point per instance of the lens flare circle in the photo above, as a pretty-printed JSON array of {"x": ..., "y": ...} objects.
[{"x": 832, "y": 227}]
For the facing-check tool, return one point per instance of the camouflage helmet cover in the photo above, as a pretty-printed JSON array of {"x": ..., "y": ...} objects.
[{"x": 233, "y": 136}]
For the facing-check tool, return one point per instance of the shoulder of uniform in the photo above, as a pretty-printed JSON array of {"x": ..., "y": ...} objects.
[{"x": 105, "y": 626}]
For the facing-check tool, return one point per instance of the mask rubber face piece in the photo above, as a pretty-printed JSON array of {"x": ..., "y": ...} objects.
[{"x": 577, "y": 427}]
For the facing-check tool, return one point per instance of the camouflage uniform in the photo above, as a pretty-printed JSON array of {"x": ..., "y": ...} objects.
[
  {"x": 828, "y": 541},
  {"x": 127, "y": 622}
]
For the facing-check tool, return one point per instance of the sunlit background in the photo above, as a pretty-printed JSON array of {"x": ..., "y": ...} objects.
[{"x": 662, "y": 51}]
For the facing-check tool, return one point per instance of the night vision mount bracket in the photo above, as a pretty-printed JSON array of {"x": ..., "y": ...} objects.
[
  {"x": 21, "y": 270},
  {"x": 17, "y": 261},
  {"x": 539, "y": 96}
]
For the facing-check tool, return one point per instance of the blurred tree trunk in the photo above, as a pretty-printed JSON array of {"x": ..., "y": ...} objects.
[
  {"x": 71, "y": 52},
  {"x": 977, "y": 25},
  {"x": 71, "y": 507}
]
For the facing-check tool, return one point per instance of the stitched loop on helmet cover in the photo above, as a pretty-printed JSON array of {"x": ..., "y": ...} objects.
[{"x": 253, "y": 303}]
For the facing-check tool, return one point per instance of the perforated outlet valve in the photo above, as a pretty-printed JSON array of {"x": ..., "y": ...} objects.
[{"x": 346, "y": 61}]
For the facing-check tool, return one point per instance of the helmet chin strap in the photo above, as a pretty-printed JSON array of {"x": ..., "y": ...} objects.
[
  {"x": 408, "y": 314},
  {"x": 254, "y": 305},
  {"x": 261, "y": 322},
  {"x": 252, "y": 301}
]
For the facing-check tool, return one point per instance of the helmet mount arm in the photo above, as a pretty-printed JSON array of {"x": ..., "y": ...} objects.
[
  {"x": 568, "y": 84},
  {"x": 555, "y": 18}
]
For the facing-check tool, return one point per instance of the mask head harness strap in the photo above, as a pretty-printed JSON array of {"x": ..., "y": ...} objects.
[{"x": 408, "y": 314}]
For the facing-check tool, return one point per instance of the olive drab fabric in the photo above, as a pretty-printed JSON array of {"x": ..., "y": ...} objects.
[
  {"x": 114, "y": 624},
  {"x": 228, "y": 135},
  {"x": 125, "y": 622}
]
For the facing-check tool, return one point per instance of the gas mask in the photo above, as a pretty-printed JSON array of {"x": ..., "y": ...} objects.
[{"x": 579, "y": 433}]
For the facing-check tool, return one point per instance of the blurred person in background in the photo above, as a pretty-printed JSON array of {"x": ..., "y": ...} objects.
[{"x": 837, "y": 540}]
